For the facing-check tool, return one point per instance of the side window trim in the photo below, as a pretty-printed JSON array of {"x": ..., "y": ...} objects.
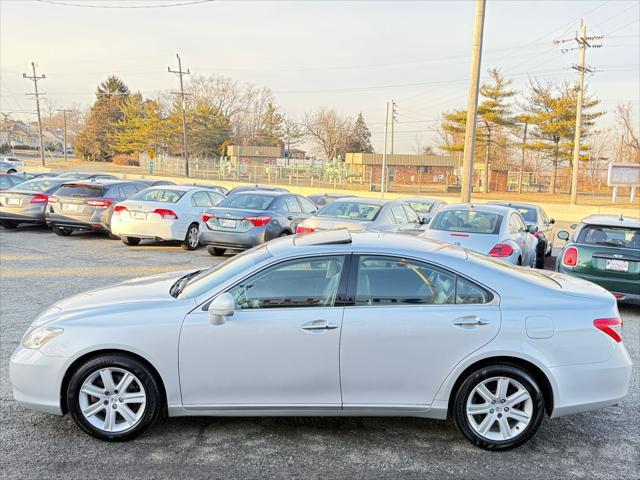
[{"x": 352, "y": 285}]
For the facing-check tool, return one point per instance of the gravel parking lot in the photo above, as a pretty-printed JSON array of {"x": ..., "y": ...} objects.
[{"x": 39, "y": 268}]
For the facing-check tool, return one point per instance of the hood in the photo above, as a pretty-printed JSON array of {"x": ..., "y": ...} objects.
[
  {"x": 329, "y": 223},
  {"x": 137, "y": 292},
  {"x": 477, "y": 242}
]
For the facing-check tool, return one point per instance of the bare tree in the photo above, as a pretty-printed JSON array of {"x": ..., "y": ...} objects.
[
  {"x": 627, "y": 135},
  {"x": 328, "y": 132}
]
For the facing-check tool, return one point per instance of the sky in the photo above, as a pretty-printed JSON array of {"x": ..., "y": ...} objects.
[{"x": 350, "y": 56}]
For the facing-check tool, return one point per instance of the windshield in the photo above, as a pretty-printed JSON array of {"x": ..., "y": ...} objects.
[
  {"x": 625, "y": 237},
  {"x": 529, "y": 215},
  {"x": 208, "y": 279},
  {"x": 247, "y": 201},
  {"x": 421, "y": 207},
  {"x": 159, "y": 195},
  {"x": 81, "y": 191},
  {"x": 471, "y": 221},
  {"x": 39, "y": 185},
  {"x": 350, "y": 210}
]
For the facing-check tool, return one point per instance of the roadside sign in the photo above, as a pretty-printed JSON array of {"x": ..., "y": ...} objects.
[
  {"x": 623, "y": 175},
  {"x": 152, "y": 154}
]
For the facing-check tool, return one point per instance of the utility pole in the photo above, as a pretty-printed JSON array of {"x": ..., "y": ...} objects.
[
  {"x": 64, "y": 117},
  {"x": 583, "y": 43},
  {"x": 394, "y": 117},
  {"x": 522, "y": 158},
  {"x": 35, "y": 79},
  {"x": 180, "y": 74},
  {"x": 472, "y": 106},
  {"x": 383, "y": 174}
]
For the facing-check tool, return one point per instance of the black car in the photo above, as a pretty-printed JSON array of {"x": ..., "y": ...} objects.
[
  {"x": 249, "y": 218},
  {"x": 264, "y": 188},
  {"x": 87, "y": 205},
  {"x": 321, "y": 199}
]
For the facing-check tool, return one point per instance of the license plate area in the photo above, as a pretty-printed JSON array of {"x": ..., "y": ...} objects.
[
  {"x": 72, "y": 207},
  {"x": 14, "y": 202},
  {"x": 139, "y": 215},
  {"x": 226, "y": 223},
  {"x": 614, "y": 265}
]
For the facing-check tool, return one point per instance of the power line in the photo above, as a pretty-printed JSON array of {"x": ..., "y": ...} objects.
[
  {"x": 166, "y": 5},
  {"x": 180, "y": 74}
]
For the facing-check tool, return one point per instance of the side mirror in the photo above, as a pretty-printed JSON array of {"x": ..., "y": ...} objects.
[
  {"x": 222, "y": 306},
  {"x": 552, "y": 221},
  {"x": 425, "y": 220},
  {"x": 532, "y": 229},
  {"x": 573, "y": 226},
  {"x": 563, "y": 235}
]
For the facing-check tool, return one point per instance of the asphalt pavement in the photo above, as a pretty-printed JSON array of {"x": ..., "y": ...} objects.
[{"x": 38, "y": 268}]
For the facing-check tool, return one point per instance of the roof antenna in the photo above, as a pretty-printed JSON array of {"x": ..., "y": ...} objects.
[{"x": 621, "y": 219}]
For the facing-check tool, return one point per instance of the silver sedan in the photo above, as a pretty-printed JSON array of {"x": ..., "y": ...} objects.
[
  {"x": 331, "y": 324},
  {"x": 492, "y": 230}
]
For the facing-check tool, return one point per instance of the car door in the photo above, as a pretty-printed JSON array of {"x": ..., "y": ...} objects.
[
  {"x": 200, "y": 202},
  {"x": 517, "y": 234},
  {"x": 411, "y": 323},
  {"x": 294, "y": 213},
  {"x": 281, "y": 346}
]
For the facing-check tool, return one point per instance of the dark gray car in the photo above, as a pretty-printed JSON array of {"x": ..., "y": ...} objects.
[
  {"x": 365, "y": 214},
  {"x": 27, "y": 201},
  {"x": 535, "y": 215},
  {"x": 87, "y": 205},
  {"x": 247, "y": 219}
]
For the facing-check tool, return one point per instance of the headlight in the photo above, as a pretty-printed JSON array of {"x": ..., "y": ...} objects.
[{"x": 37, "y": 337}]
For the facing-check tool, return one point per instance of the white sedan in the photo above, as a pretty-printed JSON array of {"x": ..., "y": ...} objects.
[
  {"x": 168, "y": 212},
  {"x": 331, "y": 324}
]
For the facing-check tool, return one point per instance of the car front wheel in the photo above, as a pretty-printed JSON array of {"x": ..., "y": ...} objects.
[
  {"x": 114, "y": 397},
  {"x": 131, "y": 241},
  {"x": 498, "y": 407}
]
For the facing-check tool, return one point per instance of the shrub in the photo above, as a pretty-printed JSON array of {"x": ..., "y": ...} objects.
[{"x": 129, "y": 160}]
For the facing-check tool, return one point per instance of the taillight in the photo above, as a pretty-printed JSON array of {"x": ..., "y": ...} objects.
[
  {"x": 501, "y": 250},
  {"x": 207, "y": 216},
  {"x": 536, "y": 234},
  {"x": 40, "y": 198},
  {"x": 570, "y": 257},
  {"x": 301, "y": 229},
  {"x": 54, "y": 199},
  {"x": 610, "y": 326},
  {"x": 166, "y": 214},
  {"x": 99, "y": 203},
  {"x": 259, "y": 221},
  {"x": 119, "y": 209}
]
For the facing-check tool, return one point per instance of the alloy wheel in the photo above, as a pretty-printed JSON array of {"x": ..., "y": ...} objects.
[
  {"x": 499, "y": 408},
  {"x": 112, "y": 399},
  {"x": 192, "y": 237}
]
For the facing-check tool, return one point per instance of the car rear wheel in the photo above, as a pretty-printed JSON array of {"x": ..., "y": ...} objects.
[
  {"x": 112, "y": 236},
  {"x": 114, "y": 397},
  {"x": 63, "y": 232},
  {"x": 8, "y": 224},
  {"x": 215, "y": 252},
  {"x": 498, "y": 407},
  {"x": 192, "y": 239},
  {"x": 131, "y": 241}
]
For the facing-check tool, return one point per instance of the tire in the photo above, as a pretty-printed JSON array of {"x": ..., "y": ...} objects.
[
  {"x": 11, "y": 171},
  {"x": 61, "y": 231},
  {"x": 8, "y": 224},
  {"x": 192, "y": 238},
  {"x": 110, "y": 421},
  {"x": 131, "y": 241},
  {"x": 112, "y": 236},
  {"x": 286, "y": 233},
  {"x": 215, "y": 252},
  {"x": 497, "y": 436},
  {"x": 540, "y": 255}
]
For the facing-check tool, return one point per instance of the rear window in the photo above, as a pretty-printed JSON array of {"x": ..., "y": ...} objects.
[
  {"x": 159, "y": 195},
  {"x": 81, "y": 191},
  {"x": 421, "y": 207},
  {"x": 471, "y": 221},
  {"x": 247, "y": 201},
  {"x": 40, "y": 185},
  {"x": 350, "y": 210},
  {"x": 625, "y": 237}
]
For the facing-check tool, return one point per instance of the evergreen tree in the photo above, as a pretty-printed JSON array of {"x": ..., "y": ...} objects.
[{"x": 360, "y": 139}]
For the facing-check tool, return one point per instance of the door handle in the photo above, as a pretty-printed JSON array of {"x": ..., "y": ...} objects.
[
  {"x": 470, "y": 321},
  {"x": 319, "y": 325}
]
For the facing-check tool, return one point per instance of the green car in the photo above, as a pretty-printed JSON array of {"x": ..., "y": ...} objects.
[{"x": 605, "y": 250}]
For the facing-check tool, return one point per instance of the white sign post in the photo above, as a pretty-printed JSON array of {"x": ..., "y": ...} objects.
[{"x": 623, "y": 175}]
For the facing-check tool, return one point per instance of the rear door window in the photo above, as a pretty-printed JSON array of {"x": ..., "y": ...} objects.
[
  {"x": 307, "y": 205},
  {"x": 398, "y": 215},
  {"x": 201, "y": 199},
  {"x": 412, "y": 216},
  {"x": 292, "y": 205}
]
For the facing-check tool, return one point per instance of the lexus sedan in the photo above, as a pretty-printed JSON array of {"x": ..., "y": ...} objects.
[
  {"x": 333, "y": 323},
  {"x": 27, "y": 202},
  {"x": 493, "y": 230},
  {"x": 166, "y": 213},
  {"x": 251, "y": 217},
  {"x": 372, "y": 214}
]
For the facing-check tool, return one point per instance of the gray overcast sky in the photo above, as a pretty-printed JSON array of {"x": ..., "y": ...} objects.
[{"x": 351, "y": 56}]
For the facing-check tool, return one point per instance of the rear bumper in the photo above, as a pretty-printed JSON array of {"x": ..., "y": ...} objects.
[
  {"x": 94, "y": 222},
  {"x": 167, "y": 230},
  {"x": 627, "y": 288},
  {"x": 235, "y": 240},
  {"x": 32, "y": 214},
  {"x": 593, "y": 385}
]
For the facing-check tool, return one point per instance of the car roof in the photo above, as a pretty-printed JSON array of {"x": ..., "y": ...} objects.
[
  {"x": 180, "y": 188},
  {"x": 271, "y": 193},
  {"x": 513, "y": 204},
  {"x": 100, "y": 182},
  {"x": 368, "y": 201},
  {"x": 612, "y": 221},
  {"x": 419, "y": 199},
  {"x": 480, "y": 207}
]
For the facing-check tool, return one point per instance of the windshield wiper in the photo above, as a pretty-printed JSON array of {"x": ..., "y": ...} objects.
[{"x": 178, "y": 285}]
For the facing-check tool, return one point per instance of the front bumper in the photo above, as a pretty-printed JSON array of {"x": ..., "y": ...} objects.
[
  {"x": 234, "y": 240},
  {"x": 592, "y": 385},
  {"x": 36, "y": 380}
]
